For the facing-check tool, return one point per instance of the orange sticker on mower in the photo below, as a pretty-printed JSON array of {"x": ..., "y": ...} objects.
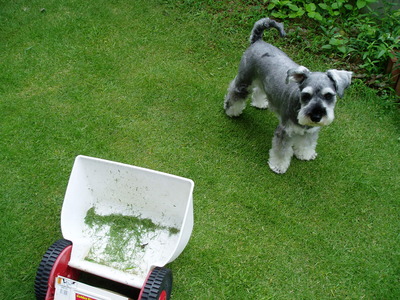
[{"x": 82, "y": 297}]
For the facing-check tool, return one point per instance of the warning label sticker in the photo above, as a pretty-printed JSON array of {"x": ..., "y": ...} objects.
[{"x": 83, "y": 297}]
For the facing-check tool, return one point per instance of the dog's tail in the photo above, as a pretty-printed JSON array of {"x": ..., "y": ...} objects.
[{"x": 261, "y": 25}]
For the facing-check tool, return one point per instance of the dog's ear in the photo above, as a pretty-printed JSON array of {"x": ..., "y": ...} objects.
[
  {"x": 297, "y": 74},
  {"x": 341, "y": 79}
]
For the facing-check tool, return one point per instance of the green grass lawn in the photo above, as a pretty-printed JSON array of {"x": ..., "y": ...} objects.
[{"x": 142, "y": 83}]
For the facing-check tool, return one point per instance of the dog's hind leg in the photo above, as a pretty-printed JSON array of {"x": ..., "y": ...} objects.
[
  {"x": 258, "y": 97},
  {"x": 235, "y": 99},
  {"x": 281, "y": 152}
]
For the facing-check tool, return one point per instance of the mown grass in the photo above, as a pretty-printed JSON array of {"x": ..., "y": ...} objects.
[{"x": 142, "y": 83}]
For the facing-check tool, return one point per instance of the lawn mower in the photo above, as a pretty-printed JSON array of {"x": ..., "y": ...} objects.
[{"x": 121, "y": 225}]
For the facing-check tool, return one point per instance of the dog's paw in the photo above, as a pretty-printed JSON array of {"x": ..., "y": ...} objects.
[
  {"x": 279, "y": 161},
  {"x": 260, "y": 105},
  {"x": 305, "y": 155},
  {"x": 235, "y": 109},
  {"x": 232, "y": 112},
  {"x": 259, "y": 99},
  {"x": 278, "y": 168}
]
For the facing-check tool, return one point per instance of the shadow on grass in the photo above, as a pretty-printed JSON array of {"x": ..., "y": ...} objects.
[{"x": 253, "y": 132}]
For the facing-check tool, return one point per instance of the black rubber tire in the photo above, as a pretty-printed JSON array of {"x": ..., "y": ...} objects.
[
  {"x": 46, "y": 265},
  {"x": 159, "y": 280}
]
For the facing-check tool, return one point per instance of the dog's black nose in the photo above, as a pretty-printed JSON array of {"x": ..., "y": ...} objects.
[
  {"x": 317, "y": 114},
  {"x": 316, "y": 117}
]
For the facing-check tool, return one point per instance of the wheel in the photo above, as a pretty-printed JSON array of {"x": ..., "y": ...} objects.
[
  {"x": 158, "y": 285},
  {"x": 54, "y": 263}
]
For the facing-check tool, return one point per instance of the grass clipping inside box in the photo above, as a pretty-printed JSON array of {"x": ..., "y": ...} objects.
[{"x": 122, "y": 241}]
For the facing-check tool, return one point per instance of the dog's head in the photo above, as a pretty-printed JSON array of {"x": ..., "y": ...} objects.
[{"x": 318, "y": 94}]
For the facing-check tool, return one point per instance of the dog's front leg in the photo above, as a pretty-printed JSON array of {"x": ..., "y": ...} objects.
[
  {"x": 304, "y": 145},
  {"x": 281, "y": 152}
]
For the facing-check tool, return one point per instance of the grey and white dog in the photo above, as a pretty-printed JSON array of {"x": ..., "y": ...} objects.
[{"x": 303, "y": 100}]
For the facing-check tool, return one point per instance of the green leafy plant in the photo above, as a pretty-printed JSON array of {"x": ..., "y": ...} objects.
[
  {"x": 350, "y": 29},
  {"x": 366, "y": 36},
  {"x": 286, "y": 9},
  {"x": 320, "y": 11}
]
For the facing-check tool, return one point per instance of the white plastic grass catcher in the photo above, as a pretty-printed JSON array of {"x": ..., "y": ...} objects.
[{"x": 124, "y": 223}]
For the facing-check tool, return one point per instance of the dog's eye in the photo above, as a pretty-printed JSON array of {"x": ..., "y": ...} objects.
[
  {"x": 329, "y": 96},
  {"x": 306, "y": 97}
]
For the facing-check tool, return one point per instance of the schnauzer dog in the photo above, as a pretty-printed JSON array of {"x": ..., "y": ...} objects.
[{"x": 302, "y": 100}]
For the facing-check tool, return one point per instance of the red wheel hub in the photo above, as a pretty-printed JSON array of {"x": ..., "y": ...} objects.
[{"x": 163, "y": 295}]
